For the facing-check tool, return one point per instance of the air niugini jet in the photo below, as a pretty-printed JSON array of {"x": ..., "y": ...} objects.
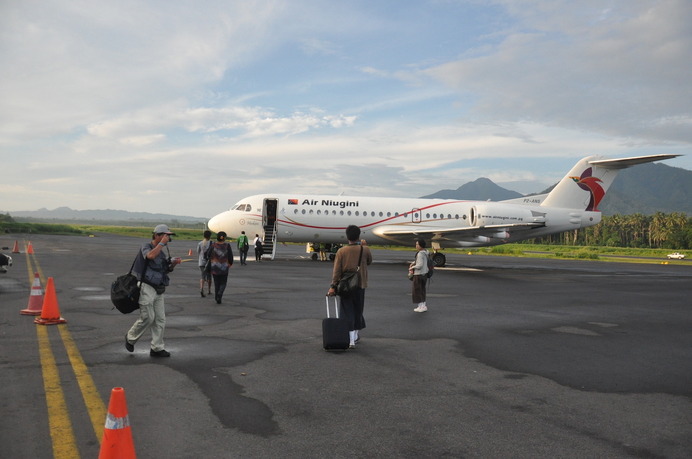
[{"x": 443, "y": 223}]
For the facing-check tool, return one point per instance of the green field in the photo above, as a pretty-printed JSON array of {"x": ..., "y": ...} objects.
[
  {"x": 93, "y": 230},
  {"x": 620, "y": 254}
]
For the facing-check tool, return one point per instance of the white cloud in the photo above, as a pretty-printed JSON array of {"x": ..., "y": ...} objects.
[
  {"x": 71, "y": 63},
  {"x": 566, "y": 64},
  {"x": 143, "y": 140}
]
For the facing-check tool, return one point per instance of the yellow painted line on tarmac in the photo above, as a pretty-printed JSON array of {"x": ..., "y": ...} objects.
[
  {"x": 92, "y": 398},
  {"x": 31, "y": 271},
  {"x": 29, "y": 268},
  {"x": 60, "y": 426},
  {"x": 61, "y": 433}
]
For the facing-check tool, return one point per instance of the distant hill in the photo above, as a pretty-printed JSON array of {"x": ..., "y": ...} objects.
[
  {"x": 480, "y": 189},
  {"x": 650, "y": 188},
  {"x": 110, "y": 216},
  {"x": 644, "y": 189}
]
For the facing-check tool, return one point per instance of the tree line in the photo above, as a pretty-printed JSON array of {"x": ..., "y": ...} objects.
[{"x": 657, "y": 231}]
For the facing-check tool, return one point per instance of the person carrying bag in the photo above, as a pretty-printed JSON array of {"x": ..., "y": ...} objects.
[
  {"x": 351, "y": 271},
  {"x": 125, "y": 290},
  {"x": 350, "y": 280}
]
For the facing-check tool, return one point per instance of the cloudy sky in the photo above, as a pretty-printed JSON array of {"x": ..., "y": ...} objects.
[{"x": 186, "y": 107}]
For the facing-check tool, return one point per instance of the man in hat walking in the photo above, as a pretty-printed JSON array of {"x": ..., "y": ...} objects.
[{"x": 152, "y": 269}]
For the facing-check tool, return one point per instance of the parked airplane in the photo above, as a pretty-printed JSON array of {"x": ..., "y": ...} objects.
[{"x": 444, "y": 223}]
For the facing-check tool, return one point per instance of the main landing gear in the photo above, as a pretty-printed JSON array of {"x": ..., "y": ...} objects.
[{"x": 439, "y": 258}]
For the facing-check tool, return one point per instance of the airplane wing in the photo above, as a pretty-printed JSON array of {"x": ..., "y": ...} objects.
[{"x": 460, "y": 234}]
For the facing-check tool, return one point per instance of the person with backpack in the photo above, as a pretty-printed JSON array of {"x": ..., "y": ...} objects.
[
  {"x": 243, "y": 247},
  {"x": 258, "y": 247},
  {"x": 418, "y": 270},
  {"x": 152, "y": 270}
]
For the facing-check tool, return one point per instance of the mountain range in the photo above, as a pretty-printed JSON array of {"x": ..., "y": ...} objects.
[
  {"x": 645, "y": 189},
  {"x": 65, "y": 214}
]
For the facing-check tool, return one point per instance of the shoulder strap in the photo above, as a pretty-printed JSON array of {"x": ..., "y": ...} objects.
[
  {"x": 134, "y": 261},
  {"x": 146, "y": 263}
]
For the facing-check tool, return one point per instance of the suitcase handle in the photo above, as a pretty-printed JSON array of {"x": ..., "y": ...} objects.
[{"x": 336, "y": 305}]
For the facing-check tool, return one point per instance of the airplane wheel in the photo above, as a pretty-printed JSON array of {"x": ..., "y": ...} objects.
[{"x": 439, "y": 259}]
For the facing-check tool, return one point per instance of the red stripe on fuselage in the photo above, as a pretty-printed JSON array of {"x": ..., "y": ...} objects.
[{"x": 378, "y": 222}]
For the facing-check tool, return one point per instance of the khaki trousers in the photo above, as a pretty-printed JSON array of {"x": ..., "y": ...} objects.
[{"x": 152, "y": 315}]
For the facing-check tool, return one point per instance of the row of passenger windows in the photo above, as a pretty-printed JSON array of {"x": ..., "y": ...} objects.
[{"x": 358, "y": 213}]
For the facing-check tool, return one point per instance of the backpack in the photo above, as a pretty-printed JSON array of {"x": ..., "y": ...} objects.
[{"x": 431, "y": 267}]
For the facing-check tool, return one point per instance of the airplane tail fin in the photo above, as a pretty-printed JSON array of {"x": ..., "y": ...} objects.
[{"x": 587, "y": 183}]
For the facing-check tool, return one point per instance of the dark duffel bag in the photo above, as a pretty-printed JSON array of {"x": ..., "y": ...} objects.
[
  {"x": 125, "y": 293},
  {"x": 125, "y": 290}
]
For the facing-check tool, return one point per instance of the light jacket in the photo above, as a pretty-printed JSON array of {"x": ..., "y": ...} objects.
[{"x": 420, "y": 267}]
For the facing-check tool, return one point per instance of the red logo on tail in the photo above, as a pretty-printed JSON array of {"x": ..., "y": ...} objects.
[{"x": 588, "y": 183}]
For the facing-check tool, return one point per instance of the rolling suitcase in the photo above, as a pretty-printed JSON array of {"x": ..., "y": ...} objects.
[{"x": 334, "y": 330}]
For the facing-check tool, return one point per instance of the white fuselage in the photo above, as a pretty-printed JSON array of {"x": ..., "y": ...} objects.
[{"x": 449, "y": 223}]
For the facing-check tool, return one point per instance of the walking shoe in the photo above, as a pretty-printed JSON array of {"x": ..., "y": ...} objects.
[
  {"x": 352, "y": 346},
  {"x": 201, "y": 292},
  {"x": 161, "y": 353},
  {"x": 421, "y": 309},
  {"x": 128, "y": 346}
]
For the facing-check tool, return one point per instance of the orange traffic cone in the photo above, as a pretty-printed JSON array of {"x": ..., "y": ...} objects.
[
  {"x": 189, "y": 252},
  {"x": 16, "y": 247},
  {"x": 117, "y": 435},
  {"x": 29, "y": 248},
  {"x": 35, "y": 299},
  {"x": 50, "y": 313}
]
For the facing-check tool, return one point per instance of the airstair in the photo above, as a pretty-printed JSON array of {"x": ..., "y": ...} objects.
[{"x": 270, "y": 240}]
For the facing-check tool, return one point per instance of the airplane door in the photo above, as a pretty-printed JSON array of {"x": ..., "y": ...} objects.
[
  {"x": 269, "y": 223},
  {"x": 269, "y": 214},
  {"x": 415, "y": 215}
]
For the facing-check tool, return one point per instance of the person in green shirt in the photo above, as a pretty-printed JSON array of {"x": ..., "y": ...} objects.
[{"x": 243, "y": 247}]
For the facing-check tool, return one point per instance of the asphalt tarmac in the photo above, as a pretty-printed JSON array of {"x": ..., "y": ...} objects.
[{"x": 516, "y": 357}]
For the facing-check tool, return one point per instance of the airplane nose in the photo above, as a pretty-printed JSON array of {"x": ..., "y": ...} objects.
[{"x": 214, "y": 223}]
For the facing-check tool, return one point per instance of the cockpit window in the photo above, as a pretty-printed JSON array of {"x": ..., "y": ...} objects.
[{"x": 243, "y": 207}]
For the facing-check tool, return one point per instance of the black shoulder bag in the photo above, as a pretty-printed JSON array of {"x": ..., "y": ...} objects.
[
  {"x": 349, "y": 279},
  {"x": 125, "y": 289}
]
